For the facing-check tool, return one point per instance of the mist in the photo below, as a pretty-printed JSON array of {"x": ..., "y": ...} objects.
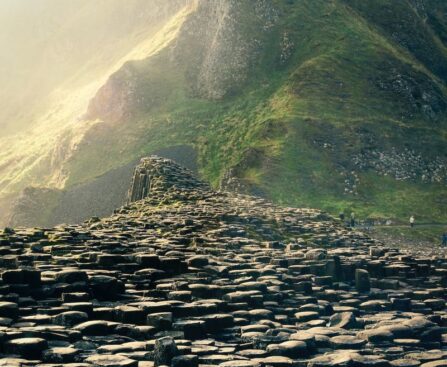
[{"x": 52, "y": 45}]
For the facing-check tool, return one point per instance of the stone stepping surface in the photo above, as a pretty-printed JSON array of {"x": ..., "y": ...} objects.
[{"x": 187, "y": 276}]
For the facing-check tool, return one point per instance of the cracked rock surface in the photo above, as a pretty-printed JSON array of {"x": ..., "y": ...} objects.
[{"x": 186, "y": 276}]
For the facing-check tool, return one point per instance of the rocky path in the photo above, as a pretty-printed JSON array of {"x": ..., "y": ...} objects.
[
  {"x": 191, "y": 277},
  {"x": 423, "y": 239}
]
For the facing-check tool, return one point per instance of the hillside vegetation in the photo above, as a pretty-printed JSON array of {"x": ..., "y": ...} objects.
[{"x": 335, "y": 104}]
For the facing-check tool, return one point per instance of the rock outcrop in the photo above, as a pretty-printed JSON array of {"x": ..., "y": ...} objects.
[
  {"x": 161, "y": 174},
  {"x": 192, "y": 277}
]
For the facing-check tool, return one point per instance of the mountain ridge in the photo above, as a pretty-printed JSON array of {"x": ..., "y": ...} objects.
[{"x": 324, "y": 104}]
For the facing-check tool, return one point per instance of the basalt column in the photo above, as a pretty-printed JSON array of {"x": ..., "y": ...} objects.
[
  {"x": 154, "y": 174},
  {"x": 140, "y": 186}
]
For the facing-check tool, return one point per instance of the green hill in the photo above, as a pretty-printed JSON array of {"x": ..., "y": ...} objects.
[{"x": 335, "y": 104}]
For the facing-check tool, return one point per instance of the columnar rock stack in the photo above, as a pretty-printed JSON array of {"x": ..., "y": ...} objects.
[
  {"x": 191, "y": 277},
  {"x": 155, "y": 174}
]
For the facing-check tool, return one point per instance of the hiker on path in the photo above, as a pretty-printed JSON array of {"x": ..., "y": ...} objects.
[
  {"x": 342, "y": 216},
  {"x": 412, "y": 221},
  {"x": 444, "y": 239},
  {"x": 352, "y": 219}
]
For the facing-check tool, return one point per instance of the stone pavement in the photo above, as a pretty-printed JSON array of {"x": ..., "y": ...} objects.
[{"x": 184, "y": 276}]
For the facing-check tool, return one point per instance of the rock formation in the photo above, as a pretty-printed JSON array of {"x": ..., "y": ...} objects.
[
  {"x": 159, "y": 174},
  {"x": 192, "y": 277}
]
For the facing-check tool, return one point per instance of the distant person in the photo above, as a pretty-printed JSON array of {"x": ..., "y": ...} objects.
[
  {"x": 412, "y": 221},
  {"x": 444, "y": 239},
  {"x": 342, "y": 216},
  {"x": 352, "y": 219}
]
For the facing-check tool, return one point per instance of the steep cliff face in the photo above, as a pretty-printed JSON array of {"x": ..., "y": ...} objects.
[
  {"x": 213, "y": 53},
  {"x": 335, "y": 104},
  {"x": 225, "y": 42},
  {"x": 418, "y": 28}
]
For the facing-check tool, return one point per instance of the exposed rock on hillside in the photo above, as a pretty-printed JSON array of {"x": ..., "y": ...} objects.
[
  {"x": 193, "y": 277},
  {"x": 405, "y": 165}
]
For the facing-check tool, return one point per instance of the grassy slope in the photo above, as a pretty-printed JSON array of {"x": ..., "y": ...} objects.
[
  {"x": 327, "y": 89},
  {"x": 345, "y": 107}
]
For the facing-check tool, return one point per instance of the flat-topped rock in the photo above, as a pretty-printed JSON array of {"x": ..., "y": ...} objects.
[
  {"x": 107, "y": 360},
  {"x": 185, "y": 276},
  {"x": 30, "y": 348}
]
